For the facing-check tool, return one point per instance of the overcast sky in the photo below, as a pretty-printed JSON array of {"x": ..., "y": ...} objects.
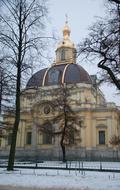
[{"x": 81, "y": 14}]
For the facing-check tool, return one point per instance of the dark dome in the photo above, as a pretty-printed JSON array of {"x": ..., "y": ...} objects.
[{"x": 59, "y": 74}]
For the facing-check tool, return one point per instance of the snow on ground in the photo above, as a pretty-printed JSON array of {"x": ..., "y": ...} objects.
[{"x": 60, "y": 179}]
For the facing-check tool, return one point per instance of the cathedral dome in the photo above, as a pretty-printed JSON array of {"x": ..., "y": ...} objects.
[
  {"x": 59, "y": 74},
  {"x": 64, "y": 70}
]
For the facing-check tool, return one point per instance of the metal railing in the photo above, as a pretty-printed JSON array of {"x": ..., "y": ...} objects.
[{"x": 69, "y": 165}]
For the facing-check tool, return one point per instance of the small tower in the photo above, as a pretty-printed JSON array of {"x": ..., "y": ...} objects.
[{"x": 66, "y": 51}]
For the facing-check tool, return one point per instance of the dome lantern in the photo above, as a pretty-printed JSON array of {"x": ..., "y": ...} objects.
[
  {"x": 66, "y": 51},
  {"x": 66, "y": 32}
]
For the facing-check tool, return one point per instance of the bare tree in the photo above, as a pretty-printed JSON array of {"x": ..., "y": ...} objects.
[
  {"x": 115, "y": 140},
  {"x": 115, "y": 1},
  {"x": 2, "y": 79},
  {"x": 21, "y": 24},
  {"x": 7, "y": 88},
  {"x": 7, "y": 95},
  {"x": 69, "y": 120},
  {"x": 103, "y": 44},
  {"x": 65, "y": 117}
]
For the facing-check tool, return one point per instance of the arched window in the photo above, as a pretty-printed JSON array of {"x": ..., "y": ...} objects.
[
  {"x": 54, "y": 76},
  {"x": 62, "y": 55},
  {"x": 47, "y": 134}
]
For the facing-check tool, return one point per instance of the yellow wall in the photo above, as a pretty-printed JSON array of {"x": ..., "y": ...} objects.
[{"x": 94, "y": 114}]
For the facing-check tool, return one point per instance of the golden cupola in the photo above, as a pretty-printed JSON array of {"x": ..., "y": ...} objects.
[{"x": 66, "y": 51}]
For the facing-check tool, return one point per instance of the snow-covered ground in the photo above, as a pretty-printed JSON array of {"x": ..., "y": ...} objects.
[{"x": 60, "y": 179}]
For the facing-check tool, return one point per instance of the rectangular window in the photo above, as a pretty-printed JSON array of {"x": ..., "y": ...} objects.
[
  {"x": 47, "y": 138},
  {"x": 101, "y": 137},
  {"x": 28, "y": 138}
]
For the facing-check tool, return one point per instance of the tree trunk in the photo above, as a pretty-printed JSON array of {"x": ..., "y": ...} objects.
[
  {"x": 17, "y": 104},
  {"x": 1, "y": 96},
  {"x": 16, "y": 124},
  {"x": 65, "y": 126},
  {"x": 62, "y": 139},
  {"x": 63, "y": 150}
]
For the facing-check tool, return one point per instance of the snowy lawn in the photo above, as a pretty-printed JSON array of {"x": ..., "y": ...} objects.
[{"x": 60, "y": 179}]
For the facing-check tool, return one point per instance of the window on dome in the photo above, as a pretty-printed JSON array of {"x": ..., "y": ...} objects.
[
  {"x": 62, "y": 55},
  {"x": 54, "y": 76}
]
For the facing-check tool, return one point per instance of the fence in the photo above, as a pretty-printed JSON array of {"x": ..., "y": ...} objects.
[{"x": 68, "y": 165}]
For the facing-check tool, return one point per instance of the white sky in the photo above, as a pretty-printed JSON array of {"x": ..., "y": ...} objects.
[{"x": 81, "y": 14}]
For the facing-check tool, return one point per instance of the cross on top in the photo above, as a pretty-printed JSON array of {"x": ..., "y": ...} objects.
[{"x": 66, "y": 16}]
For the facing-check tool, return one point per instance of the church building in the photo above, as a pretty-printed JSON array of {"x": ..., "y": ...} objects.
[{"x": 47, "y": 94}]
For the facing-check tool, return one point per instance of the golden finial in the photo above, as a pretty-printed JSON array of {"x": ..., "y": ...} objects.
[{"x": 66, "y": 29}]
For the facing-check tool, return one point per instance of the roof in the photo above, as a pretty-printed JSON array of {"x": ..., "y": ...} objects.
[{"x": 59, "y": 74}]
